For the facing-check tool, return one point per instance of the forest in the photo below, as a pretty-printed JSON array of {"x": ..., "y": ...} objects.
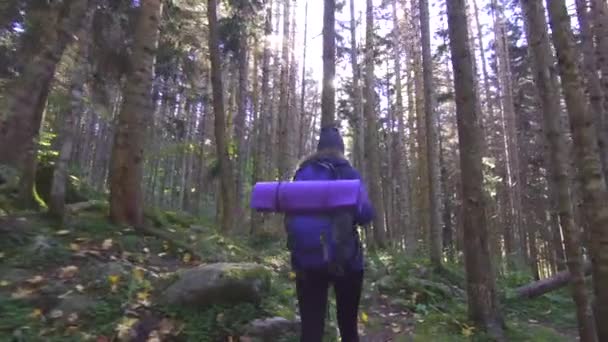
[{"x": 132, "y": 133}]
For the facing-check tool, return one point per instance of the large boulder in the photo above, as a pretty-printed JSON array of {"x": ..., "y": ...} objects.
[{"x": 221, "y": 283}]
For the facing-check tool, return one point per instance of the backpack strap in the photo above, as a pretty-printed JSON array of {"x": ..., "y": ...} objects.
[{"x": 331, "y": 167}]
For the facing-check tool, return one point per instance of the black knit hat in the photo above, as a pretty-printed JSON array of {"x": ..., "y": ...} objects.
[{"x": 330, "y": 138}]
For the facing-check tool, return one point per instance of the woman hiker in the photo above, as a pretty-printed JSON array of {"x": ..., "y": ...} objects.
[{"x": 326, "y": 249}]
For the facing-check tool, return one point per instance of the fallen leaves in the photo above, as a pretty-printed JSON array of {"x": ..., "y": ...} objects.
[
  {"x": 4, "y": 283},
  {"x": 22, "y": 293},
  {"x": 467, "y": 331},
  {"x": 56, "y": 314},
  {"x": 364, "y": 318},
  {"x": 143, "y": 298},
  {"x": 138, "y": 274},
  {"x": 68, "y": 272},
  {"x": 124, "y": 329},
  {"x": 107, "y": 244},
  {"x": 37, "y": 313},
  {"x": 62, "y": 232},
  {"x": 2, "y": 255},
  {"x": 36, "y": 280},
  {"x": 114, "y": 279},
  {"x": 72, "y": 318},
  {"x": 186, "y": 258}
]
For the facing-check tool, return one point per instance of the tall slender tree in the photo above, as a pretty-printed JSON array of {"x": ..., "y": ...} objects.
[
  {"x": 371, "y": 128},
  {"x": 548, "y": 92},
  {"x": 68, "y": 123},
  {"x": 242, "y": 99},
  {"x": 303, "y": 115},
  {"x": 284, "y": 114},
  {"x": 586, "y": 151},
  {"x": 126, "y": 165},
  {"x": 227, "y": 219},
  {"x": 328, "y": 97},
  {"x": 432, "y": 138},
  {"x": 481, "y": 286},
  {"x": 54, "y": 25},
  {"x": 359, "y": 143},
  {"x": 592, "y": 78},
  {"x": 514, "y": 228},
  {"x": 403, "y": 184}
]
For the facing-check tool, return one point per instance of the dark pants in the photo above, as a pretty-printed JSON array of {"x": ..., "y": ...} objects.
[{"x": 312, "y": 289}]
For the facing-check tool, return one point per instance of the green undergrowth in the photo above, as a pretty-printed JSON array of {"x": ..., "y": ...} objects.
[
  {"x": 438, "y": 301},
  {"x": 215, "y": 323},
  {"x": 88, "y": 231}
]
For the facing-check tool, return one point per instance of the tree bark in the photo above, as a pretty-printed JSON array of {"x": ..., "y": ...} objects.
[
  {"x": 432, "y": 139},
  {"x": 284, "y": 114},
  {"x": 599, "y": 8},
  {"x": 514, "y": 192},
  {"x": 241, "y": 115},
  {"x": 422, "y": 173},
  {"x": 587, "y": 159},
  {"x": 481, "y": 286},
  {"x": 126, "y": 170},
  {"x": 371, "y": 139},
  {"x": 328, "y": 96},
  {"x": 539, "y": 288},
  {"x": 66, "y": 134},
  {"x": 359, "y": 143},
  {"x": 227, "y": 219},
  {"x": 27, "y": 95},
  {"x": 402, "y": 172},
  {"x": 304, "y": 117},
  {"x": 593, "y": 82}
]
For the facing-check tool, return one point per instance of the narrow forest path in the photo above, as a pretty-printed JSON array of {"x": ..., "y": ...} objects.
[{"x": 384, "y": 320}]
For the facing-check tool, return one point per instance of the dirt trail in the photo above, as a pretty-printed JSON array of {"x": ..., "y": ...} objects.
[{"x": 385, "y": 322}]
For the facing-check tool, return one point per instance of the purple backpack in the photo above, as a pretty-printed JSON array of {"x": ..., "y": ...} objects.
[{"x": 323, "y": 239}]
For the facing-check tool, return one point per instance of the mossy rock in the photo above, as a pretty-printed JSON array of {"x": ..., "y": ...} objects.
[{"x": 221, "y": 284}]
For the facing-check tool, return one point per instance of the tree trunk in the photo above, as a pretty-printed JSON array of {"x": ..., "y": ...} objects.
[
  {"x": 241, "y": 115},
  {"x": 19, "y": 127},
  {"x": 227, "y": 219},
  {"x": 402, "y": 171},
  {"x": 593, "y": 83},
  {"x": 294, "y": 122},
  {"x": 422, "y": 173},
  {"x": 432, "y": 139},
  {"x": 586, "y": 151},
  {"x": 599, "y": 8},
  {"x": 304, "y": 117},
  {"x": 284, "y": 114},
  {"x": 66, "y": 134},
  {"x": 126, "y": 170},
  {"x": 481, "y": 286},
  {"x": 359, "y": 136},
  {"x": 328, "y": 97},
  {"x": 371, "y": 139},
  {"x": 511, "y": 144},
  {"x": 411, "y": 240},
  {"x": 539, "y": 288}
]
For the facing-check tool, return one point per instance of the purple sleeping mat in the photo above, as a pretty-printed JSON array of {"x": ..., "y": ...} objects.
[{"x": 305, "y": 196}]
